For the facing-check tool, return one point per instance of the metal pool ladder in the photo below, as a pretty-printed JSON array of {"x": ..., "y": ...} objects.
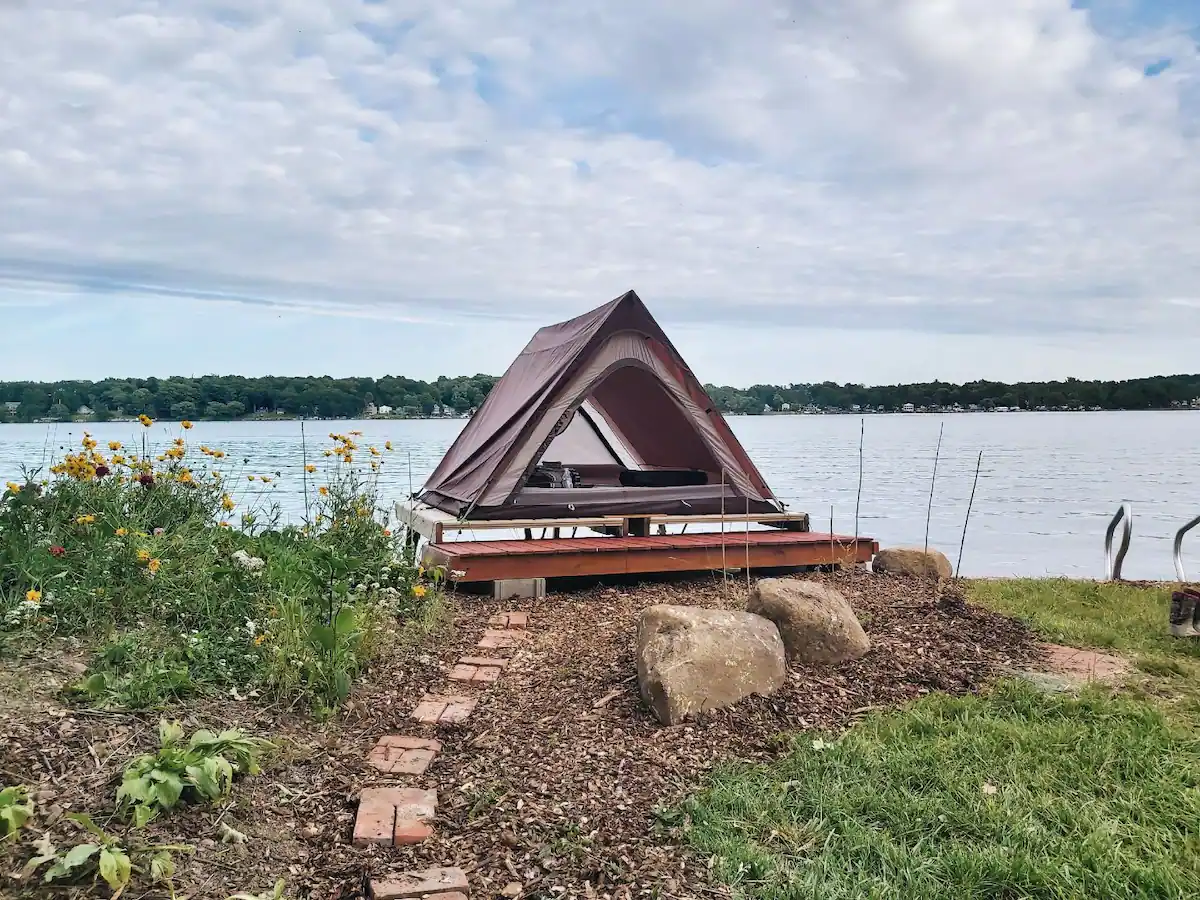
[
  {"x": 1180, "y": 574},
  {"x": 1125, "y": 516}
]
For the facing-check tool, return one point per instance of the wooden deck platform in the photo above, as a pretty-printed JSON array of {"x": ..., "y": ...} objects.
[{"x": 584, "y": 556}]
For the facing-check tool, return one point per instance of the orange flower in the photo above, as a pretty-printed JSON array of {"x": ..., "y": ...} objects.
[
  {"x": 323, "y": 491},
  {"x": 153, "y": 566},
  {"x": 186, "y": 425},
  {"x": 145, "y": 420},
  {"x": 310, "y": 468}
]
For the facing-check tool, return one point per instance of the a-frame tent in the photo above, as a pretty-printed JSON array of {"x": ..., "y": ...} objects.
[{"x": 608, "y": 396}]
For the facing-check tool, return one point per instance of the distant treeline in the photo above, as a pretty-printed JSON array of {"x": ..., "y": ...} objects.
[{"x": 234, "y": 397}]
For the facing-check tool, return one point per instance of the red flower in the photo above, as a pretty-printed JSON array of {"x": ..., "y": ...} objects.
[
  {"x": 146, "y": 480},
  {"x": 58, "y": 551},
  {"x": 101, "y": 471}
]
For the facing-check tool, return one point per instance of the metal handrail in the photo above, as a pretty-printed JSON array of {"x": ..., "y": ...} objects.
[
  {"x": 1113, "y": 567},
  {"x": 1179, "y": 547}
]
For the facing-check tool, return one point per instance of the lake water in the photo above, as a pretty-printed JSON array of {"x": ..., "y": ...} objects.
[{"x": 1048, "y": 485}]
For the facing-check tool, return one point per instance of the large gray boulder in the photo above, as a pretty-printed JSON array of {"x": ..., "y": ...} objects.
[
  {"x": 912, "y": 561},
  {"x": 690, "y": 659},
  {"x": 817, "y": 624}
]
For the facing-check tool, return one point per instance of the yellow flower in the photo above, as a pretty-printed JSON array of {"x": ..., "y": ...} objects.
[
  {"x": 323, "y": 491},
  {"x": 348, "y": 458},
  {"x": 249, "y": 477},
  {"x": 118, "y": 460},
  {"x": 185, "y": 477},
  {"x": 227, "y": 503},
  {"x": 374, "y": 467},
  {"x": 356, "y": 433},
  {"x": 259, "y": 640},
  {"x": 387, "y": 446},
  {"x": 265, "y": 479},
  {"x": 419, "y": 590},
  {"x": 218, "y": 454},
  {"x": 224, "y": 524},
  {"x": 143, "y": 555},
  {"x": 84, "y": 520},
  {"x": 153, "y": 566},
  {"x": 33, "y": 596},
  {"x": 145, "y": 420},
  {"x": 114, "y": 446},
  {"x": 328, "y": 453},
  {"x": 14, "y": 487},
  {"x": 310, "y": 468},
  {"x": 186, "y": 425},
  {"x": 374, "y": 451},
  {"x": 179, "y": 442},
  {"x": 121, "y": 532}
]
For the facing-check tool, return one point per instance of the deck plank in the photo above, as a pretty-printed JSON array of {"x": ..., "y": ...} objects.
[{"x": 700, "y": 551}]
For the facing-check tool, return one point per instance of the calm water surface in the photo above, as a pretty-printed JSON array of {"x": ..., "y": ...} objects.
[{"x": 1049, "y": 482}]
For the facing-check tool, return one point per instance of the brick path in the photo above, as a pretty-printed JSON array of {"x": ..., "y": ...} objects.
[{"x": 400, "y": 815}]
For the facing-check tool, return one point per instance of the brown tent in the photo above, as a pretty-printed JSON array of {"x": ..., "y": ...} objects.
[{"x": 599, "y": 415}]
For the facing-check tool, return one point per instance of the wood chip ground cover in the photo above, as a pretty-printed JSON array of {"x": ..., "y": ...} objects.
[{"x": 559, "y": 782}]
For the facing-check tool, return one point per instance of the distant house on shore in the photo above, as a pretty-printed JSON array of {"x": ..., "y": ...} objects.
[
  {"x": 85, "y": 410},
  {"x": 12, "y": 405},
  {"x": 384, "y": 411},
  {"x": 370, "y": 410},
  {"x": 908, "y": 407}
]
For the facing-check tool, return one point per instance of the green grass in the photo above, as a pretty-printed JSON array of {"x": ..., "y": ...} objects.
[
  {"x": 1019, "y": 794},
  {"x": 1126, "y": 618},
  {"x": 1015, "y": 793}
]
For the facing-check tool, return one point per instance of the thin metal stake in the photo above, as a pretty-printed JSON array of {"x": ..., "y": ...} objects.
[
  {"x": 858, "y": 497},
  {"x": 932, "y": 482},
  {"x": 970, "y": 502}
]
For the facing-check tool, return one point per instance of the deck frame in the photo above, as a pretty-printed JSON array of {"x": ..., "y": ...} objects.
[
  {"x": 591, "y": 556},
  {"x": 433, "y": 524}
]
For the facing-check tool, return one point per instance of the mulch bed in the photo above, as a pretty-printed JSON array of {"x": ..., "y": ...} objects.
[{"x": 560, "y": 782}]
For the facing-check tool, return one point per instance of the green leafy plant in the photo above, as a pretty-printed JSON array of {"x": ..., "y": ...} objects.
[
  {"x": 105, "y": 855},
  {"x": 15, "y": 810},
  {"x": 202, "y": 769}
]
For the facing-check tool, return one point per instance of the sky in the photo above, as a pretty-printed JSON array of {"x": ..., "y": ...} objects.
[{"x": 875, "y": 191}]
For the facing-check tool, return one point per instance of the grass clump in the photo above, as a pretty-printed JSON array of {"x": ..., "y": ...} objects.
[
  {"x": 1016, "y": 794},
  {"x": 180, "y": 559}
]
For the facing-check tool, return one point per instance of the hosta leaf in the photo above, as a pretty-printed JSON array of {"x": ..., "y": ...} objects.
[
  {"x": 71, "y": 860},
  {"x": 115, "y": 868},
  {"x": 143, "y": 815},
  {"x": 169, "y": 733},
  {"x": 324, "y": 637},
  {"x": 162, "y": 866},
  {"x": 346, "y": 622}
]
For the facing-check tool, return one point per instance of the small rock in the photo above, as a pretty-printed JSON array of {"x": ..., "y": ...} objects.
[
  {"x": 513, "y": 889},
  {"x": 912, "y": 561}
]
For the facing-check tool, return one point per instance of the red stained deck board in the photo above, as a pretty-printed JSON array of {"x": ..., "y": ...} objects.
[{"x": 550, "y": 558}]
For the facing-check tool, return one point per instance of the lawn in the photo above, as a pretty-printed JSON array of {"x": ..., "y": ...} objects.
[{"x": 1013, "y": 794}]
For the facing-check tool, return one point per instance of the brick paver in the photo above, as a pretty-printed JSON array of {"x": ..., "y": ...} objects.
[
  {"x": 435, "y": 710},
  {"x": 443, "y": 883},
  {"x": 483, "y": 661},
  {"x": 398, "y": 754},
  {"x": 387, "y": 815},
  {"x": 475, "y": 674},
  {"x": 501, "y": 639},
  {"x": 518, "y": 620}
]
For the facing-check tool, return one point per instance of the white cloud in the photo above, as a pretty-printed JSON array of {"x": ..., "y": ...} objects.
[{"x": 944, "y": 167}]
